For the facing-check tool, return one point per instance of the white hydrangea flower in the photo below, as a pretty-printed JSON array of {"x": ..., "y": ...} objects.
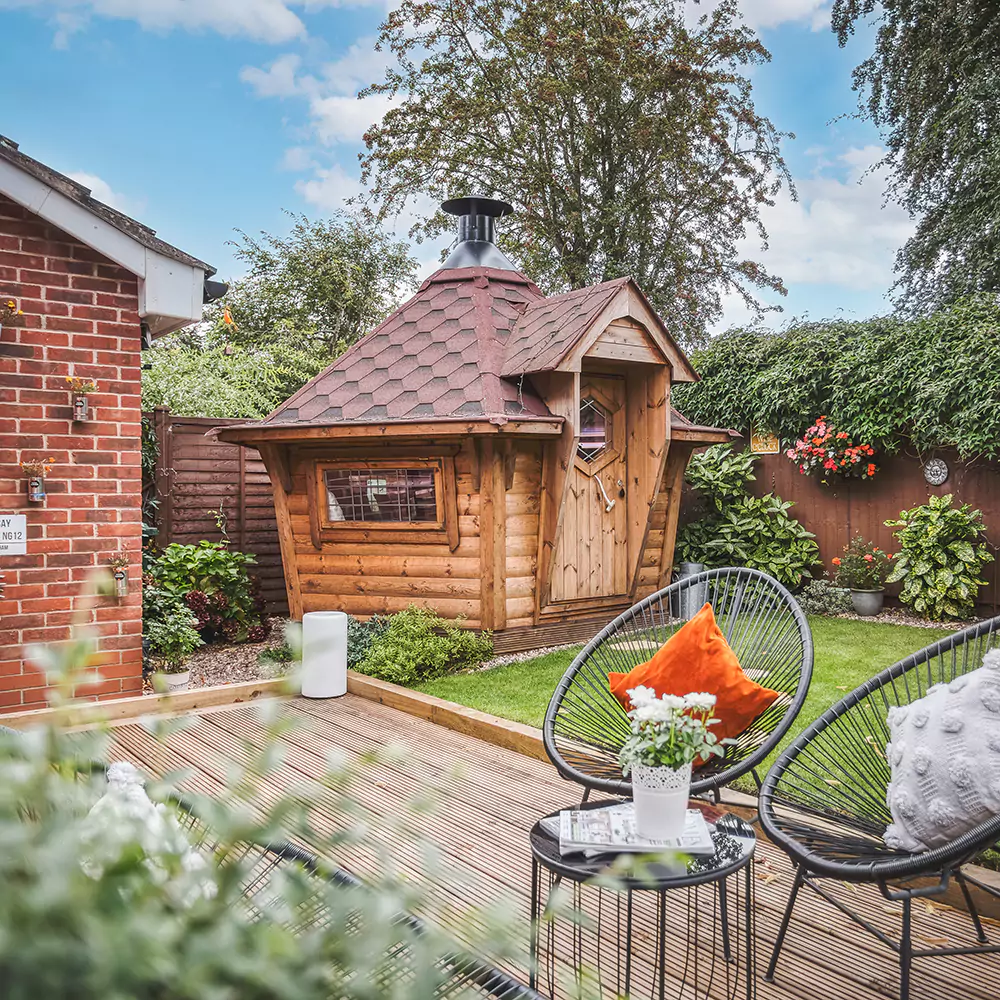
[
  {"x": 701, "y": 700},
  {"x": 641, "y": 695},
  {"x": 672, "y": 701}
]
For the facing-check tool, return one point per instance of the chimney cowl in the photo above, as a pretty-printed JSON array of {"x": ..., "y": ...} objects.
[{"x": 477, "y": 233}]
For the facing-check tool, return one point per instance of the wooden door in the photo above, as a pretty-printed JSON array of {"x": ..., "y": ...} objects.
[{"x": 591, "y": 560}]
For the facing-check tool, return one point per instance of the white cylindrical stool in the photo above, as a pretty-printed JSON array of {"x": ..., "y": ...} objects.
[{"x": 324, "y": 654}]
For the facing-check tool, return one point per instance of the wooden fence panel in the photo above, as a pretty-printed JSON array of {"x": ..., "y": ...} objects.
[
  {"x": 836, "y": 513},
  {"x": 196, "y": 475}
]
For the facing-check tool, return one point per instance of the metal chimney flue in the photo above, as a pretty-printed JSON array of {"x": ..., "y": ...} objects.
[{"x": 477, "y": 233}]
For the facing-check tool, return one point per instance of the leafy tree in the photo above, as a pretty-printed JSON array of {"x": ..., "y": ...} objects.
[
  {"x": 306, "y": 297},
  {"x": 321, "y": 287},
  {"x": 195, "y": 381},
  {"x": 931, "y": 86},
  {"x": 625, "y": 137}
]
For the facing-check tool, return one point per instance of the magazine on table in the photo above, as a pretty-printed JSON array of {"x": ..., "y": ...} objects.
[{"x": 612, "y": 829}]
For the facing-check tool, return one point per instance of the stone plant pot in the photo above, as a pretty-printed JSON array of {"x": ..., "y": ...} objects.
[
  {"x": 867, "y": 602},
  {"x": 660, "y": 795},
  {"x": 177, "y": 682}
]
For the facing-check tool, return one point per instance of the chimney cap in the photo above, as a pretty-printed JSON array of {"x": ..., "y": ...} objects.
[{"x": 476, "y": 205}]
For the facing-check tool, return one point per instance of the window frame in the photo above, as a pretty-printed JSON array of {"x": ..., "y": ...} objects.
[{"x": 322, "y": 508}]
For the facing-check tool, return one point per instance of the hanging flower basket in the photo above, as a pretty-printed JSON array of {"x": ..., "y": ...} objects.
[
  {"x": 118, "y": 561},
  {"x": 36, "y": 470},
  {"x": 831, "y": 453},
  {"x": 81, "y": 389}
]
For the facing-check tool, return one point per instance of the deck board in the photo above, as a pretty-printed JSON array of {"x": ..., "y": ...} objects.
[{"x": 487, "y": 799}]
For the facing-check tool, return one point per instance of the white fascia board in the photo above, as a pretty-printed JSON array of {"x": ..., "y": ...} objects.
[{"x": 170, "y": 292}]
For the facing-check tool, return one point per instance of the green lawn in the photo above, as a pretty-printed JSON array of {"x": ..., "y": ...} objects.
[{"x": 847, "y": 653}]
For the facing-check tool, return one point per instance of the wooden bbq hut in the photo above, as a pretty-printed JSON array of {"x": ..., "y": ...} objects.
[{"x": 487, "y": 452}]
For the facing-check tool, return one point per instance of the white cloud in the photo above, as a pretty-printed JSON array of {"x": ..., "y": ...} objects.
[
  {"x": 760, "y": 14},
  {"x": 344, "y": 118},
  {"x": 358, "y": 67},
  {"x": 272, "y": 21},
  {"x": 840, "y": 233},
  {"x": 297, "y": 159},
  {"x": 101, "y": 190},
  {"x": 277, "y": 80},
  {"x": 329, "y": 188}
]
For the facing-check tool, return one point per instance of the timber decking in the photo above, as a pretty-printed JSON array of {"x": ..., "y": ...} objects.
[{"x": 488, "y": 799}]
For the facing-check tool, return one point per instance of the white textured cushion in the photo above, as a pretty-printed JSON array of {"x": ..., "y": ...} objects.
[{"x": 944, "y": 755}]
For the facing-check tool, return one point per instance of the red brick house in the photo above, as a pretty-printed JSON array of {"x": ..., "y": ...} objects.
[{"x": 91, "y": 285}]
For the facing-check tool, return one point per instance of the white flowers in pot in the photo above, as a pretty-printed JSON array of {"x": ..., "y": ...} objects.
[{"x": 669, "y": 733}]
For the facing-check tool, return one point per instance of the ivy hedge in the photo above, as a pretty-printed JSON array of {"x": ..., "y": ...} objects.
[{"x": 931, "y": 382}]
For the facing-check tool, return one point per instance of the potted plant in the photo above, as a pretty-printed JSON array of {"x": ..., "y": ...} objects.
[
  {"x": 668, "y": 734},
  {"x": 829, "y": 451},
  {"x": 36, "y": 471},
  {"x": 171, "y": 641},
  {"x": 81, "y": 388},
  {"x": 863, "y": 569}
]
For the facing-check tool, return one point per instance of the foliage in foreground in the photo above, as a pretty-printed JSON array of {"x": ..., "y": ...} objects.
[
  {"x": 415, "y": 645},
  {"x": 121, "y": 907},
  {"x": 932, "y": 382},
  {"x": 624, "y": 134},
  {"x": 939, "y": 560},
  {"x": 737, "y": 529}
]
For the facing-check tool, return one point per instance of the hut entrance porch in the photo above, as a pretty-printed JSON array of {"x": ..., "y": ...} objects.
[{"x": 592, "y": 562}]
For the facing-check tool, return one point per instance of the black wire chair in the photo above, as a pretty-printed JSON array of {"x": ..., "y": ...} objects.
[
  {"x": 824, "y": 801},
  {"x": 585, "y": 726},
  {"x": 462, "y": 974}
]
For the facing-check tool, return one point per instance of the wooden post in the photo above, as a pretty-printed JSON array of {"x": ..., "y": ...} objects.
[
  {"x": 280, "y": 474},
  {"x": 673, "y": 480},
  {"x": 492, "y": 537},
  {"x": 242, "y": 497},
  {"x": 161, "y": 477}
]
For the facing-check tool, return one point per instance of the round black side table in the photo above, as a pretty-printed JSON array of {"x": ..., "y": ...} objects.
[{"x": 679, "y": 929}]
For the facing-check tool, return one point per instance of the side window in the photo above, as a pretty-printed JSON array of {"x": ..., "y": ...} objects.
[{"x": 382, "y": 495}]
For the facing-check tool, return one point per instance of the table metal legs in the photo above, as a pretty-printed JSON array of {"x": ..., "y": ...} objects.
[{"x": 675, "y": 943}]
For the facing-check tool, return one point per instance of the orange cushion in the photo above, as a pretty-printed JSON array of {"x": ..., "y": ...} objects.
[{"x": 698, "y": 658}]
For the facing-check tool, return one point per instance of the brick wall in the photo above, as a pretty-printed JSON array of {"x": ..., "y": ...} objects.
[{"x": 80, "y": 318}]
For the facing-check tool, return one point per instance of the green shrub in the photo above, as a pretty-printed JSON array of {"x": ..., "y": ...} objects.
[
  {"x": 416, "y": 645},
  {"x": 173, "y": 639},
  {"x": 360, "y": 635},
  {"x": 939, "y": 563},
  {"x": 212, "y": 580},
  {"x": 742, "y": 530},
  {"x": 719, "y": 473},
  {"x": 820, "y": 597}
]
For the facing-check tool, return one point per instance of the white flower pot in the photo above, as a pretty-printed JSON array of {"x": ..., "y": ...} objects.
[
  {"x": 661, "y": 798},
  {"x": 177, "y": 682}
]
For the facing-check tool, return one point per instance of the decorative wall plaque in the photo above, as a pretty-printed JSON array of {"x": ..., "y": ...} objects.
[
  {"x": 936, "y": 471},
  {"x": 763, "y": 442}
]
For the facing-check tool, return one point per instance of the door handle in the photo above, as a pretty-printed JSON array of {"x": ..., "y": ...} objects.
[{"x": 608, "y": 502}]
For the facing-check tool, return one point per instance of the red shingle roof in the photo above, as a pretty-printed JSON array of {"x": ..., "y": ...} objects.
[
  {"x": 437, "y": 357},
  {"x": 551, "y": 327}
]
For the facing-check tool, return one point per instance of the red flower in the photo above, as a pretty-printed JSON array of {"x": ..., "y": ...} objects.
[
  {"x": 836, "y": 561},
  {"x": 869, "y": 558},
  {"x": 871, "y": 469}
]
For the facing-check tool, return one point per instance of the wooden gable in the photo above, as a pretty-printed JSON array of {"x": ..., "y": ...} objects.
[{"x": 629, "y": 331}]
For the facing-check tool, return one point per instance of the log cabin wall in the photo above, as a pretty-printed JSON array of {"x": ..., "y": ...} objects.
[{"x": 366, "y": 573}]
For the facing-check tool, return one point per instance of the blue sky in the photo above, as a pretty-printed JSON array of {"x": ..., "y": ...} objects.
[{"x": 204, "y": 116}]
